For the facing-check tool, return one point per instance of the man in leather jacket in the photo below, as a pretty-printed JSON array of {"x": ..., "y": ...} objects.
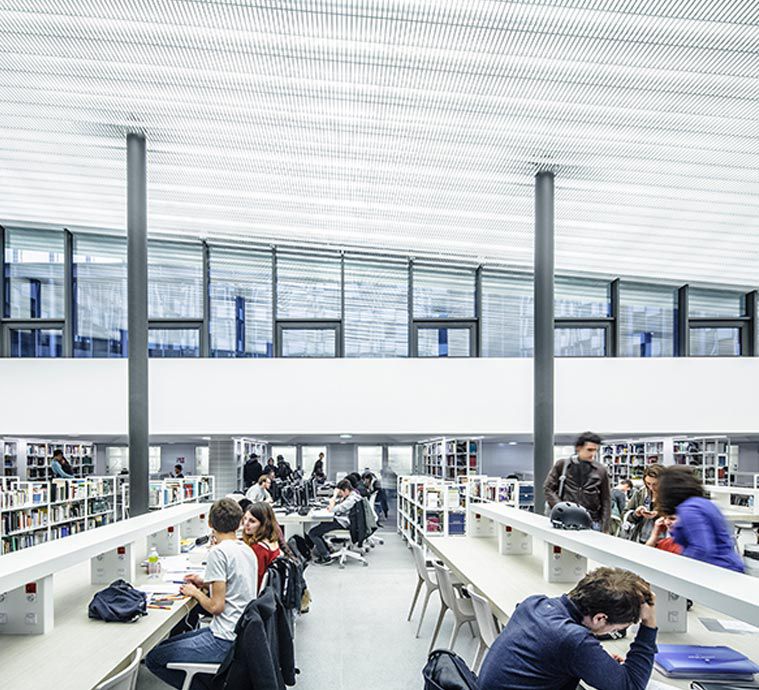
[{"x": 583, "y": 480}]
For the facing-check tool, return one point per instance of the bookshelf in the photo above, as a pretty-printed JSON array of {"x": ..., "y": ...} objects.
[
  {"x": 243, "y": 448},
  {"x": 711, "y": 457},
  {"x": 9, "y": 450},
  {"x": 485, "y": 490},
  {"x": 36, "y": 512},
  {"x": 627, "y": 458},
  {"x": 164, "y": 493},
  {"x": 451, "y": 458},
  {"x": 429, "y": 507},
  {"x": 39, "y": 456}
]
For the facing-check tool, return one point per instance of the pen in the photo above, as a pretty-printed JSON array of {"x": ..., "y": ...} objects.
[{"x": 164, "y": 608}]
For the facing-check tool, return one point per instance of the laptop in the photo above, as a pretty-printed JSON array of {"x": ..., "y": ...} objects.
[{"x": 702, "y": 662}]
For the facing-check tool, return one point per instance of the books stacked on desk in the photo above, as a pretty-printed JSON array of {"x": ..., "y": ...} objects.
[{"x": 698, "y": 662}]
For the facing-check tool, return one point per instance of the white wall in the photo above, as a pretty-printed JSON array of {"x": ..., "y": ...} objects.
[
  {"x": 171, "y": 454},
  {"x": 501, "y": 459},
  {"x": 427, "y": 397}
]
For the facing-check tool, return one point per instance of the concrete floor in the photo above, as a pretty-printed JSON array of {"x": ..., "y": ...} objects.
[{"x": 356, "y": 634}]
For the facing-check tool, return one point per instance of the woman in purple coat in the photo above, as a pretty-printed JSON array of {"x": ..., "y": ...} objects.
[{"x": 700, "y": 530}]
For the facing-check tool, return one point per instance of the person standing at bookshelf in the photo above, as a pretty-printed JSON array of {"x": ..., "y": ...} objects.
[
  {"x": 60, "y": 466},
  {"x": 583, "y": 480}
]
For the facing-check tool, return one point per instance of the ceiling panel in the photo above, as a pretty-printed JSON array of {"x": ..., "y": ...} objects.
[{"x": 413, "y": 127}]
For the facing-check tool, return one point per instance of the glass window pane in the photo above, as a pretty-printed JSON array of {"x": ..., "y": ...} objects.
[
  {"x": 580, "y": 342},
  {"x": 36, "y": 342},
  {"x": 241, "y": 308},
  {"x": 717, "y": 303},
  {"x": 175, "y": 280},
  {"x": 580, "y": 298},
  {"x": 311, "y": 342},
  {"x": 166, "y": 342},
  {"x": 100, "y": 274},
  {"x": 309, "y": 455},
  {"x": 507, "y": 315},
  {"x": 308, "y": 287},
  {"x": 443, "y": 293},
  {"x": 400, "y": 460},
  {"x": 443, "y": 342},
  {"x": 370, "y": 460},
  {"x": 35, "y": 272},
  {"x": 376, "y": 309},
  {"x": 715, "y": 342},
  {"x": 647, "y": 320}
]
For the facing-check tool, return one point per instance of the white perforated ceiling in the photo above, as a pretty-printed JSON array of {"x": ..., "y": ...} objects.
[{"x": 414, "y": 126}]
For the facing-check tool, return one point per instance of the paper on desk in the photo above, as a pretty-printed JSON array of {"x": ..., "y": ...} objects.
[
  {"x": 159, "y": 588},
  {"x": 729, "y": 626},
  {"x": 656, "y": 685}
]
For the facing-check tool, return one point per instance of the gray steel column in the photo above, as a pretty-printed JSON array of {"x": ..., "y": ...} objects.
[
  {"x": 614, "y": 344},
  {"x": 137, "y": 272},
  {"x": 68, "y": 294},
  {"x": 411, "y": 337},
  {"x": 751, "y": 349},
  {"x": 205, "y": 331},
  {"x": 682, "y": 325},
  {"x": 544, "y": 334},
  {"x": 478, "y": 309},
  {"x": 2, "y": 291},
  {"x": 341, "y": 335},
  {"x": 274, "y": 347}
]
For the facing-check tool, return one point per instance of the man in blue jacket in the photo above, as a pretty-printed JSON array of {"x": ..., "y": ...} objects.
[{"x": 551, "y": 644}]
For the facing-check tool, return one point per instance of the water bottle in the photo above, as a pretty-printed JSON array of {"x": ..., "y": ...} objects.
[{"x": 154, "y": 564}]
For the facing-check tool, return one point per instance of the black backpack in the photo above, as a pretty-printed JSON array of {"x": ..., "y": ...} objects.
[
  {"x": 447, "y": 671},
  {"x": 119, "y": 602}
]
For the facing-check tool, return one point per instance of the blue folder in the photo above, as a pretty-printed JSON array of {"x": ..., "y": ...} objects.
[{"x": 695, "y": 661}]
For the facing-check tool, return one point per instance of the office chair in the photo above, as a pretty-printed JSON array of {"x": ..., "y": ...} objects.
[
  {"x": 374, "y": 540},
  {"x": 461, "y": 607},
  {"x": 347, "y": 548},
  {"x": 126, "y": 679},
  {"x": 486, "y": 624}
]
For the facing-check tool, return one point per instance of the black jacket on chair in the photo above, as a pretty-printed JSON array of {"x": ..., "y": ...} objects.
[
  {"x": 358, "y": 528},
  {"x": 263, "y": 656}
]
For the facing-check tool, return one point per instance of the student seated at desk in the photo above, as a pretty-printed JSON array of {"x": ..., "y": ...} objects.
[
  {"x": 261, "y": 531},
  {"x": 550, "y": 644},
  {"x": 659, "y": 538},
  {"x": 230, "y": 577},
  {"x": 340, "y": 505},
  {"x": 700, "y": 530},
  {"x": 259, "y": 492}
]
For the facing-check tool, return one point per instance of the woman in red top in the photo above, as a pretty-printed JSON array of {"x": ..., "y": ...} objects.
[
  {"x": 261, "y": 531},
  {"x": 658, "y": 538}
]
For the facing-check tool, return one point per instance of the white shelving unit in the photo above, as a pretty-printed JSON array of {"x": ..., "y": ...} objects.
[
  {"x": 485, "y": 490},
  {"x": 243, "y": 448},
  {"x": 711, "y": 457},
  {"x": 429, "y": 507},
  {"x": 451, "y": 458},
  {"x": 9, "y": 451},
  {"x": 627, "y": 458},
  {"x": 38, "y": 456},
  {"x": 35, "y": 512},
  {"x": 164, "y": 493}
]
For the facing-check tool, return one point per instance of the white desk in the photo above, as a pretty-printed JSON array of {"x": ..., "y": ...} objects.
[
  {"x": 79, "y": 653},
  {"x": 731, "y": 593},
  {"x": 293, "y": 523},
  {"x": 507, "y": 580},
  {"x": 111, "y": 550}
]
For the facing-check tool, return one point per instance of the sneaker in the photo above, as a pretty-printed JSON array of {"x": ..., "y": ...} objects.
[{"x": 324, "y": 561}]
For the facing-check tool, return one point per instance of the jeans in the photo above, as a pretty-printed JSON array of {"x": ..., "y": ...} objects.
[
  {"x": 316, "y": 534},
  {"x": 382, "y": 500},
  {"x": 199, "y": 646}
]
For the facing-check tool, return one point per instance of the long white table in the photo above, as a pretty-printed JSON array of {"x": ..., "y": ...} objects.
[
  {"x": 731, "y": 593},
  {"x": 507, "y": 580},
  {"x": 79, "y": 653},
  {"x": 26, "y": 576}
]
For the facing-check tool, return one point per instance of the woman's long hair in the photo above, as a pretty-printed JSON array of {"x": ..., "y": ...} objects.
[{"x": 268, "y": 527}]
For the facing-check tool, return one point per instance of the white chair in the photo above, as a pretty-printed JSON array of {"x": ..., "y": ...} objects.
[
  {"x": 343, "y": 536},
  {"x": 126, "y": 679},
  {"x": 191, "y": 670},
  {"x": 426, "y": 577},
  {"x": 486, "y": 624},
  {"x": 461, "y": 607}
]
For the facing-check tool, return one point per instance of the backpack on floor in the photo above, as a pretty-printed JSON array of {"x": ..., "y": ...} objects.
[
  {"x": 119, "y": 602},
  {"x": 447, "y": 671}
]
